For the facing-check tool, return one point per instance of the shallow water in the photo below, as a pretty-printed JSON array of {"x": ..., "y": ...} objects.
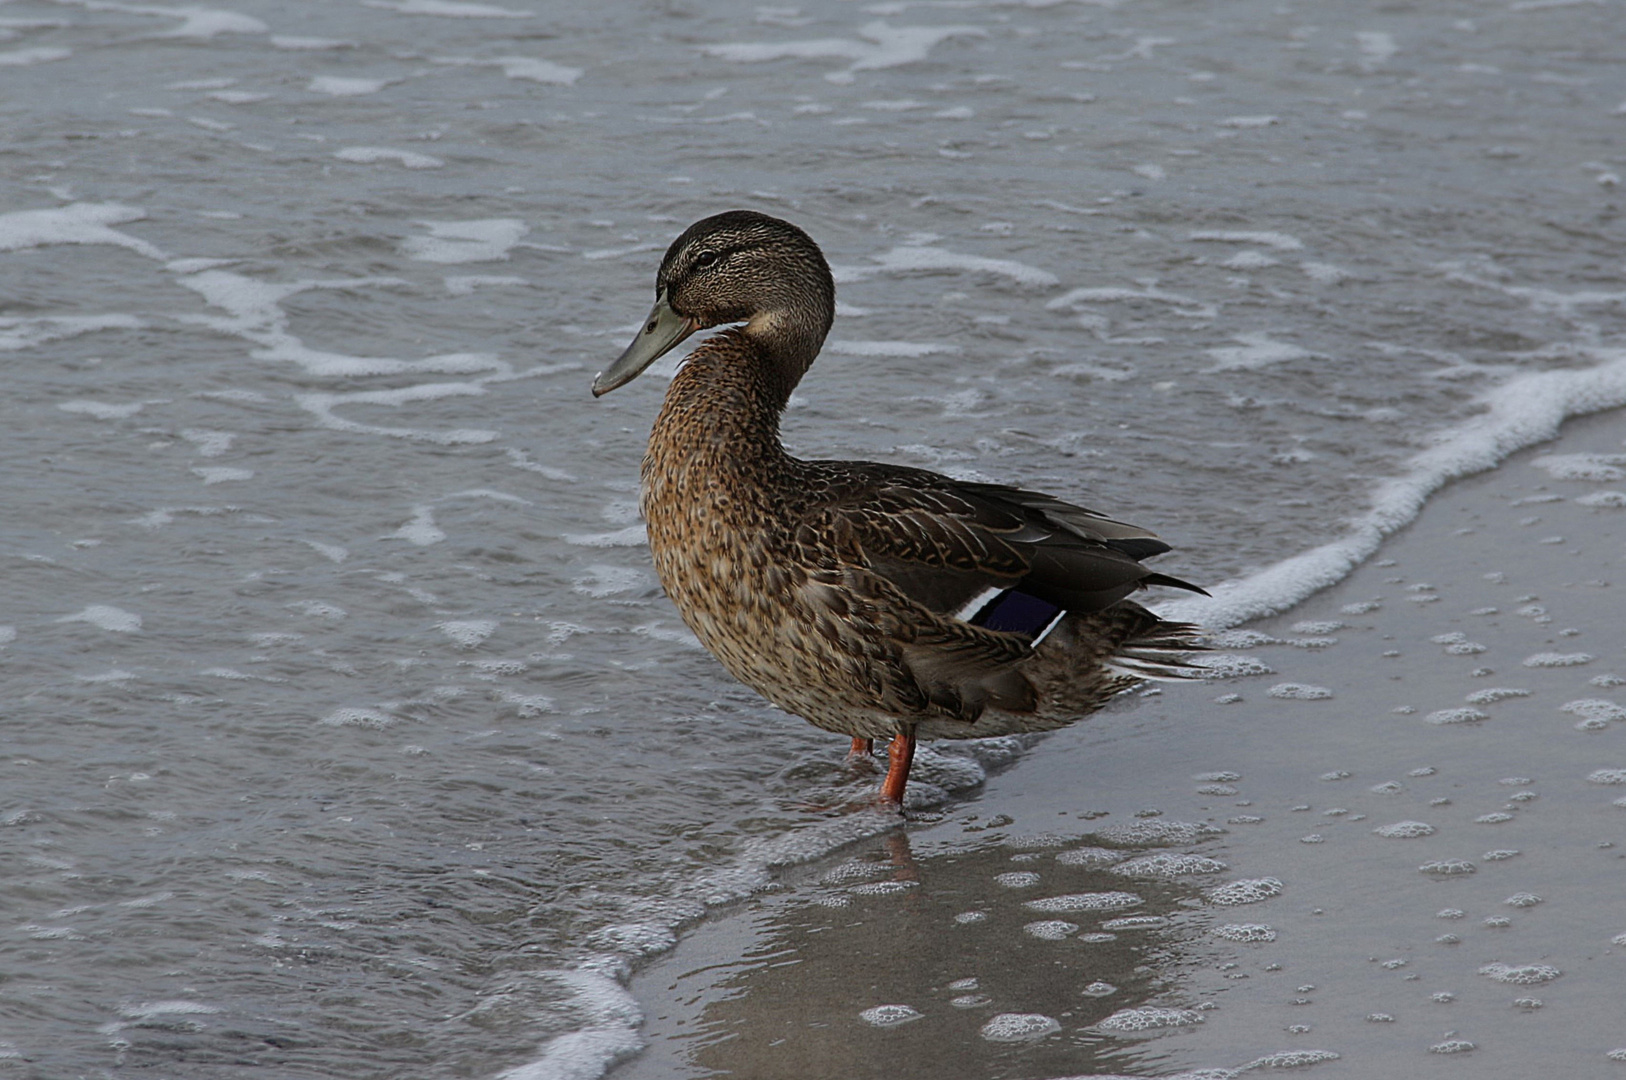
[
  {"x": 347, "y": 730},
  {"x": 1388, "y": 845}
]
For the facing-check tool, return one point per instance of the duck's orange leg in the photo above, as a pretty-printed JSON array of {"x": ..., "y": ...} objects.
[
  {"x": 861, "y": 748},
  {"x": 900, "y": 755}
]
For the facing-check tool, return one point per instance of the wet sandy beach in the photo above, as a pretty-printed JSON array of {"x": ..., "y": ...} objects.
[{"x": 1390, "y": 844}]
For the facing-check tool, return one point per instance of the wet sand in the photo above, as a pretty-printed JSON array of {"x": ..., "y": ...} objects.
[{"x": 1399, "y": 848}]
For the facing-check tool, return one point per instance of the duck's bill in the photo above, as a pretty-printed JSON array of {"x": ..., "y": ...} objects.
[{"x": 662, "y": 331}]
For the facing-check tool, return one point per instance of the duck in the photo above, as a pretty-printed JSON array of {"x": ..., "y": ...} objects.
[{"x": 876, "y": 601}]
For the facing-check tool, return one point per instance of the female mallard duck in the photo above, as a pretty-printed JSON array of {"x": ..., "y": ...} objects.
[{"x": 875, "y": 600}]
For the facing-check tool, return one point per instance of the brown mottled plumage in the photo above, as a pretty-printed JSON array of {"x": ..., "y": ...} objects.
[{"x": 875, "y": 600}]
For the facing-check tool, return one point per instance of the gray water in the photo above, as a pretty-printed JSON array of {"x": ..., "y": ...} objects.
[{"x": 346, "y": 730}]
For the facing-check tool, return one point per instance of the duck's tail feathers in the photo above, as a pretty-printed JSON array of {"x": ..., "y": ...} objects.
[{"x": 1161, "y": 653}]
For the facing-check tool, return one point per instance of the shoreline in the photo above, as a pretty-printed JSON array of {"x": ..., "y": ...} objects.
[{"x": 1395, "y": 698}]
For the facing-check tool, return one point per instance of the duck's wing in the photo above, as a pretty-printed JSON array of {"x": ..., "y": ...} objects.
[
  {"x": 997, "y": 568},
  {"x": 992, "y": 555}
]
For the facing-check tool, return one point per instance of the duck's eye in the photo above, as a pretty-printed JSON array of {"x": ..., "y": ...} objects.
[{"x": 705, "y": 260}]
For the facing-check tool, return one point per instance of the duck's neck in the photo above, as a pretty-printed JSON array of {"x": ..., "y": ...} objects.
[
  {"x": 723, "y": 407},
  {"x": 721, "y": 411}
]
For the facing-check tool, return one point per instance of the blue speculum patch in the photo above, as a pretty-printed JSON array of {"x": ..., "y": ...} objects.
[{"x": 1017, "y": 613}]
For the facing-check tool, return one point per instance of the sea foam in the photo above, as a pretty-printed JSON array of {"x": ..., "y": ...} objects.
[{"x": 1522, "y": 411}]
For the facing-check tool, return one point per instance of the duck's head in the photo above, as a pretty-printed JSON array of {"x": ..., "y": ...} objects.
[{"x": 736, "y": 267}]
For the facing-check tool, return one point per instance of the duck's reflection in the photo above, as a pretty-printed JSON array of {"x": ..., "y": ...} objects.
[{"x": 993, "y": 961}]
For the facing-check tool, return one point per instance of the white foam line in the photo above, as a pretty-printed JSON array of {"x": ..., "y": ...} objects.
[
  {"x": 447, "y": 9},
  {"x": 612, "y": 1015},
  {"x": 25, "y": 333},
  {"x": 196, "y": 21},
  {"x": 369, "y": 155},
  {"x": 531, "y": 68},
  {"x": 76, "y": 223},
  {"x": 322, "y": 406},
  {"x": 883, "y": 46},
  {"x": 1521, "y": 412},
  {"x": 912, "y": 258}
]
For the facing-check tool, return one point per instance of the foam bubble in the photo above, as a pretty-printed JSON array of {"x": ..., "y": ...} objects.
[
  {"x": 1461, "y": 715},
  {"x": 1595, "y": 713},
  {"x": 1167, "y": 865},
  {"x": 1405, "y": 830},
  {"x": 1299, "y": 692},
  {"x": 468, "y": 633},
  {"x": 1091, "y": 858},
  {"x": 1153, "y": 833},
  {"x": 1491, "y": 695},
  {"x": 1019, "y": 1027},
  {"x": 644, "y": 939},
  {"x": 1551, "y": 660},
  {"x": 1293, "y": 1059},
  {"x": 1229, "y": 666},
  {"x": 1136, "y": 922},
  {"x": 1452, "y": 1046},
  {"x": 1522, "y": 900},
  {"x": 1099, "y": 989},
  {"x": 1245, "y": 891},
  {"x": 358, "y": 717},
  {"x": 1520, "y": 975},
  {"x": 1494, "y": 818},
  {"x": 1096, "y": 901},
  {"x": 1148, "y": 1018},
  {"x": 1607, "y": 776},
  {"x": 1051, "y": 929},
  {"x": 1599, "y": 468},
  {"x": 1017, "y": 879},
  {"x": 1244, "y": 932},
  {"x": 888, "y": 1016},
  {"x": 1240, "y": 639},
  {"x": 965, "y": 918}
]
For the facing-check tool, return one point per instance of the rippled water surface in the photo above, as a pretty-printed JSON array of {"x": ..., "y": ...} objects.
[{"x": 346, "y": 729}]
